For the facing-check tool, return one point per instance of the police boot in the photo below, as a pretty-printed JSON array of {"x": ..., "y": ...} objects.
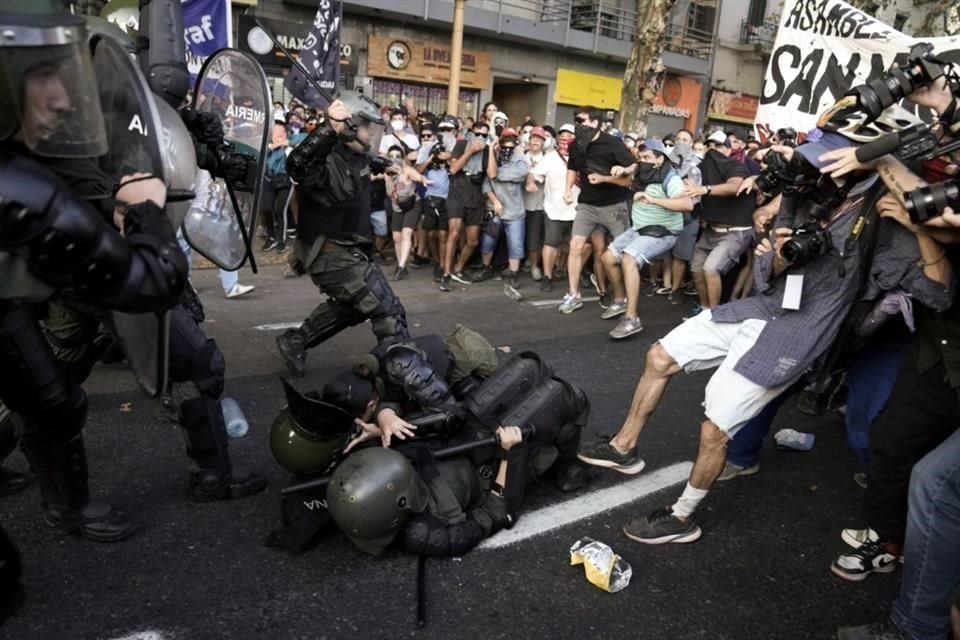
[
  {"x": 61, "y": 470},
  {"x": 10, "y": 481},
  {"x": 206, "y": 434},
  {"x": 11, "y": 593},
  {"x": 293, "y": 348}
]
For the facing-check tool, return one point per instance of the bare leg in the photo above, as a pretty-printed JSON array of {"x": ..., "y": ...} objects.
[
  {"x": 398, "y": 245},
  {"x": 679, "y": 269},
  {"x": 454, "y": 228},
  {"x": 668, "y": 273},
  {"x": 599, "y": 241},
  {"x": 656, "y": 374},
  {"x": 700, "y": 282},
  {"x": 473, "y": 239},
  {"x": 711, "y": 456},
  {"x": 549, "y": 260},
  {"x": 423, "y": 246},
  {"x": 574, "y": 262},
  {"x": 514, "y": 264},
  {"x": 614, "y": 275},
  {"x": 406, "y": 244},
  {"x": 714, "y": 288},
  {"x": 631, "y": 278}
]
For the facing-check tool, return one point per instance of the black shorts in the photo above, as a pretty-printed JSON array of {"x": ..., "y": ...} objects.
[
  {"x": 467, "y": 206},
  {"x": 535, "y": 222},
  {"x": 554, "y": 230},
  {"x": 408, "y": 220},
  {"x": 434, "y": 213}
]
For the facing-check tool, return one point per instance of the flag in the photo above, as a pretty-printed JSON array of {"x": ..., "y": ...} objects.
[{"x": 320, "y": 57}]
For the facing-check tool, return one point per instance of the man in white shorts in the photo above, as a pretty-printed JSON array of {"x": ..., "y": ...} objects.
[{"x": 759, "y": 345}]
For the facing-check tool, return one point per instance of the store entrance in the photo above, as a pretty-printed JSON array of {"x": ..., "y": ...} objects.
[{"x": 520, "y": 100}]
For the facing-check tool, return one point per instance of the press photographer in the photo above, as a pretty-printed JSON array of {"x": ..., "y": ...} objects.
[{"x": 332, "y": 169}]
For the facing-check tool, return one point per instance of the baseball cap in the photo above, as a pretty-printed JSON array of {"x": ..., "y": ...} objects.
[
  {"x": 652, "y": 144},
  {"x": 508, "y": 133},
  {"x": 540, "y": 132},
  {"x": 719, "y": 137},
  {"x": 569, "y": 128}
]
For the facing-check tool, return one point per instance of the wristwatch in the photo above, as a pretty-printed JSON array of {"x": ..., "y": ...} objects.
[{"x": 709, "y": 189}]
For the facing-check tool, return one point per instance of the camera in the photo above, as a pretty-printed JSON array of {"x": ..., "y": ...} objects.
[
  {"x": 892, "y": 87},
  {"x": 807, "y": 242},
  {"x": 770, "y": 180},
  {"x": 929, "y": 202}
]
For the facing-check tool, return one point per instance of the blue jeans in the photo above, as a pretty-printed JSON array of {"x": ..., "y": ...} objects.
[
  {"x": 931, "y": 562},
  {"x": 871, "y": 373},
  {"x": 515, "y": 231},
  {"x": 228, "y": 279}
]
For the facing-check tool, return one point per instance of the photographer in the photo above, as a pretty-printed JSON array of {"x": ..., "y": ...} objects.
[
  {"x": 332, "y": 169},
  {"x": 435, "y": 165},
  {"x": 465, "y": 203},
  {"x": 806, "y": 282}
]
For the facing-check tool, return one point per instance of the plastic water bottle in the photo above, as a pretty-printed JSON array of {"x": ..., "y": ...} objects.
[{"x": 237, "y": 426}]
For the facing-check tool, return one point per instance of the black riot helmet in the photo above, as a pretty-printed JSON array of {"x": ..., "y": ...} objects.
[
  {"x": 365, "y": 125},
  {"x": 48, "y": 90}
]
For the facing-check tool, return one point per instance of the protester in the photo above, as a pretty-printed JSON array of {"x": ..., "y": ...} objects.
[
  {"x": 405, "y": 206},
  {"x": 533, "y": 201}
]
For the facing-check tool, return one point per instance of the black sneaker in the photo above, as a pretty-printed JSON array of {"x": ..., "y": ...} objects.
[
  {"x": 661, "y": 527},
  {"x": 269, "y": 245},
  {"x": 871, "y": 557},
  {"x": 886, "y": 629},
  {"x": 674, "y": 298},
  {"x": 606, "y": 300},
  {"x": 461, "y": 277},
  {"x": 603, "y": 454},
  {"x": 445, "y": 283},
  {"x": 419, "y": 261},
  {"x": 483, "y": 275},
  {"x": 546, "y": 284},
  {"x": 437, "y": 273},
  {"x": 400, "y": 273},
  {"x": 689, "y": 290}
]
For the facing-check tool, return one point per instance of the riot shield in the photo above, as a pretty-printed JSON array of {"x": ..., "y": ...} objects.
[
  {"x": 233, "y": 87},
  {"x": 134, "y": 134}
]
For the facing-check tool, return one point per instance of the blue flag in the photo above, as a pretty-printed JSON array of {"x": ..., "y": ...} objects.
[
  {"x": 206, "y": 29},
  {"x": 320, "y": 57}
]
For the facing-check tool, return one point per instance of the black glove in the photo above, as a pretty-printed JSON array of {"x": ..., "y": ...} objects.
[
  {"x": 205, "y": 128},
  {"x": 233, "y": 167}
]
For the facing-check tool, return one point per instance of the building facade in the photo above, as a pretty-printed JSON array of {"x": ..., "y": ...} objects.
[{"x": 534, "y": 58}]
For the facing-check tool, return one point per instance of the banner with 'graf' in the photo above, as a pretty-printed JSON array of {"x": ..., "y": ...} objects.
[
  {"x": 822, "y": 49},
  {"x": 207, "y": 27}
]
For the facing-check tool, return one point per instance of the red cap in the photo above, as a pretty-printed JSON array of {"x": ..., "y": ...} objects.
[
  {"x": 540, "y": 132},
  {"x": 508, "y": 133}
]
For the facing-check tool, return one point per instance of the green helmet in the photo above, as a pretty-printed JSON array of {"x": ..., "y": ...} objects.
[
  {"x": 48, "y": 90},
  {"x": 308, "y": 436},
  {"x": 371, "y": 493}
]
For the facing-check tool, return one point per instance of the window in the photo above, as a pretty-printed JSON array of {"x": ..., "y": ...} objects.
[
  {"x": 701, "y": 18},
  {"x": 426, "y": 97},
  {"x": 757, "y": 12},
  {"x": 900, "y": 21}
]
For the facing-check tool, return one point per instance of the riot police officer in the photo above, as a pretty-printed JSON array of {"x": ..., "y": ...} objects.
[{"x": 332, "y": 170}]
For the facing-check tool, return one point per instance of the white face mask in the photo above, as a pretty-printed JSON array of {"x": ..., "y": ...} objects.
[
  {"x": 279, "y": 115},
  {"x": 397, "y": 125}
]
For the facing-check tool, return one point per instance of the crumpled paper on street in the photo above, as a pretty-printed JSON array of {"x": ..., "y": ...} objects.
[{"x": 604, "y": 568}]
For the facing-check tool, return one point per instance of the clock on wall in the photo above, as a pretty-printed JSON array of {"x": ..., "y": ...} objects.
[{"x": 398, "y": 54}]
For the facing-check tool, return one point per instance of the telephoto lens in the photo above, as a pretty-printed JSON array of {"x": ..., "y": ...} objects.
[{"x": 930, "y": 201}]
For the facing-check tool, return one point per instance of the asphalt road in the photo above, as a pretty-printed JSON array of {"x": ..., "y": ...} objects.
[{"x": 761, "y": 569}]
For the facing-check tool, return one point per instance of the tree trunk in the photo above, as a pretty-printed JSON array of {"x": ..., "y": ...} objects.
[{"x": 645, "y": 70}]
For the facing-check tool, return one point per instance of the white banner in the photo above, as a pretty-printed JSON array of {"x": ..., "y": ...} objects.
[{"x": 823, "y": 48}]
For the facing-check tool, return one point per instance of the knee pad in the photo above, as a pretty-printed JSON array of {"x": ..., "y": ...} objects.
[{"x": 408, "y": 367}]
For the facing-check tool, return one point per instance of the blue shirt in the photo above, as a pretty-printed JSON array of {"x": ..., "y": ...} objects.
[{"x": 440, "y": 179}]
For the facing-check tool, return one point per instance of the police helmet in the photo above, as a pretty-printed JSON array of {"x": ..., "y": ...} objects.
[{"x": 308, "y": 436}]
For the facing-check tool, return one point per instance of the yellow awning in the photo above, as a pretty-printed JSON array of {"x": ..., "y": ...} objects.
[{"x": 578, "y": 88}]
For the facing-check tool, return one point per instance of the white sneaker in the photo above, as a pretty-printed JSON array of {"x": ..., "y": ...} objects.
[
  {"x": 240, "y": 290},
  {"x": 856, "y": 538},
  {"x": 536, "y": 274},
  {"x": 571, "y": 302}
]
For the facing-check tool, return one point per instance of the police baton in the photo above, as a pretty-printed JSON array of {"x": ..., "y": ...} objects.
[{"x": 440, "y": 454}]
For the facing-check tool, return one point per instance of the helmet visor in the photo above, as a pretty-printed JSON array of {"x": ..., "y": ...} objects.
[
  {"x": 53, "y": 93},
  {"x": 370, "y": 133}
]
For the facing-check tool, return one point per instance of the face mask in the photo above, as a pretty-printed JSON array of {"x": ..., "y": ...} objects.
[
  {"x": 525, "y": 139},
  {"x": 499, "y": 129},
  {"x": 448, "y": 140},
  {"x": 279, "y": 115},
  {"x": 549, "y": 143},
  {"x": 683, "y": 150},
  {"x": 295, "y": 127},
  {"x": 505, "y": 154},
  {"x": 585, "y": 135},
  {"x": 396, "y": 125},
  {"x": 646, "y": 173},
  {"x": 563, "y": 146}
]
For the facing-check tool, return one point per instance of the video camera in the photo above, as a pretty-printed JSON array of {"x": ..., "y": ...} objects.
[
  {"x": 929, "y": 202},
  {"x": 780, "y": 175}
]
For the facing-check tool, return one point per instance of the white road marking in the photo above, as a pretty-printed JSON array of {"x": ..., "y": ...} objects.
[
  {"x": 143, "y": 635},
  {"x": 278, "y": 326},
  {"x": 556, "y": 303},
  {"x": 584, "y": 506}
]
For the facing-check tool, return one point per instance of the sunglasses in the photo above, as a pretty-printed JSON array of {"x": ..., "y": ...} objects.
[
  {"x": 581, "y": 120},
  {"x": 668, "y": 145},
  {"x": 426, "y": 136}
]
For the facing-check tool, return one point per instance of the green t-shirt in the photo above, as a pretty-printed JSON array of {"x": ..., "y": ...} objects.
[{"x": 644, "y": 215}]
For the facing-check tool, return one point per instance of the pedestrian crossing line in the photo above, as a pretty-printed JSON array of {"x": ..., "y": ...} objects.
[
  {"x": 278, "y": 326},
  {"x": 581, "y": 507},
  {"x": 556, "y": 303}
]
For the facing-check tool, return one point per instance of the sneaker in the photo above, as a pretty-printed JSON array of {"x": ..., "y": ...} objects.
[
  {"x": 689, "y": 290},
  {"x": 663, "y": 291},
  {"x": 511, "y": 287},
  {"x": 695, "y": 310},
  {"x": 483, "y": 275},
  {"x": 437, "y": 273},
  {"x": 292, "y": 232},
  {"x": 614, "y": 310},
  {"x": 793, "y": 439},
  {"x": 886, "y": 629},
  {"x": 674, "y": 298},
  {"x": 606, "y": 300},
  {"x": 445, "y": 283},
  {"x": 731, "y": 471},
  {"x": 400, "y": 273},
  {"x": 240, "y": 290},
  {"x": 546, "y": 284},
  {"x": 604, "y": 454},
  {"x": 661, "y": 527},
  {"x": 525, "y": 267},
  {"x": 651, "y": 289},
  {"x": 870, "y": 557},
  {"x": 461, "y": 277},
  {"x": 856, "y": 538},
  {"x": 269, "y": 245},
  {"x": 282, "y": 248},
  {"x": 536, "y": 274},
  {"x": 571, "y": 302},
  {"x": 419, "y": 261},
  {"x": 593, "y": 282},
  {"x": 861, "y": 479},
  {"x": 626, "y": 328}
]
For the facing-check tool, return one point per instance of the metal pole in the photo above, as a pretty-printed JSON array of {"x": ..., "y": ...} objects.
[{"x": 456, "y": 58}]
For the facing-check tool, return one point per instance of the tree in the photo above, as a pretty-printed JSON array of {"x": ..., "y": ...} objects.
[{"x": 645, "y": 70}]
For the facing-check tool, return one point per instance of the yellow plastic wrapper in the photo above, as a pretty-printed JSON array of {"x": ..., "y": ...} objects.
[{"x": 605, "y": 569}]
